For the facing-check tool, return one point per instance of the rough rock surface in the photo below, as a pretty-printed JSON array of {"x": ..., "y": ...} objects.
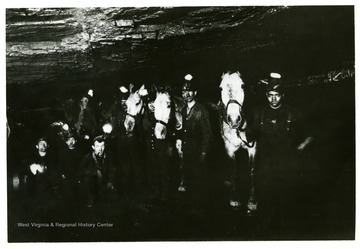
[{"x": 84, "y": 46}]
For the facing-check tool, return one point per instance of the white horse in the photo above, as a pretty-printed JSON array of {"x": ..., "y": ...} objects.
[
  {"x": 165, "y": 106},
  {"x": 134, "y": 106},
  {"x": 162, "y": 112},
  {"x": 233, "y": 133}
]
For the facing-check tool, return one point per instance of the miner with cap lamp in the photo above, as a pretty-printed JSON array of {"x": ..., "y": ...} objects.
[
  {"x": 68, "y": 162},
  {"x": 43, "y": 174},
  {"x": 194, "y": 140},
  {"x": 117, "y": 109},
  {"x": 280, "y": 134},
  {"x": 85, "y": 119},
  {"x": 96, "y": 172}
]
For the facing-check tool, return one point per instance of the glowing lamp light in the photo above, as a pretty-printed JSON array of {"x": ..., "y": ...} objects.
[
  {"x": 57, "y": 123},
  {"x": 107, "y": 128},
  {"x": 91, "y": 93},
  {"x": 36, "y": 168},
  {"x": 188, "y": 77},
  {"x": 275, "y": 75},
  {"x": 16, "y": 182},
  {"x": 65, "y": 127},
  {"x": 123, "y": 89},
  {"x": 33, "y": 168}
]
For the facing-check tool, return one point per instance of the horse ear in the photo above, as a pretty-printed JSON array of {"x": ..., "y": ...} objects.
[
  {"x": 143, "y": 91},
  {"x": 238, "y": 73},
  {"x": 222, "y": 77},
  {"x": 131, "y": 87}
]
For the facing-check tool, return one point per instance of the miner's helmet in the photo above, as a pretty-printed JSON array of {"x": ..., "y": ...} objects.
[
  {"x": 42, "y": 138},
  {"x": 99, "y": 139},
  {"x": 69, "y": 135},
  {"x": 123, "y": 92},
  {"x": 189, "y": 84},
  {"x": 275, "y": 83}
]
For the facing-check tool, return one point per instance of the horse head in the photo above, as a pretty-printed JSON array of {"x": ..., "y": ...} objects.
[
  {"x": 162, "y": 111},
  {"x": 167, "y": 111},
  {"x": 134, "y": 106},
  {"x": 232, "y": 97}
]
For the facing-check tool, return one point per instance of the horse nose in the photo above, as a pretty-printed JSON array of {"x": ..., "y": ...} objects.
[
  {"x": 163, "y": 133},
  {"x": 160, "y": 131},
  {"x": 129, "y": 125},
  {"x": 234, "y": 122}
]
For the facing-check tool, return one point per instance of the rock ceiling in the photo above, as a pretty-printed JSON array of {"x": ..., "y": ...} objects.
[{"x": 84, "y": 45}]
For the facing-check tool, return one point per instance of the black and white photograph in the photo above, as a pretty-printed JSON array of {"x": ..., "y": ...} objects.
[{"x": 183, "y": 123}]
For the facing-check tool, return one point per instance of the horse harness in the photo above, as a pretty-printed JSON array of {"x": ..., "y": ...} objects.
[
  {"x": 161, "y": 122},
  {"x": 241, "y": 126},
  {"x": 134, "y": 116}
]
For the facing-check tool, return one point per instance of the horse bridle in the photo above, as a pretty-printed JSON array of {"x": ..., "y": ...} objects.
[
  {"x": 161, "y": 122},
  {"x": 134, "y": 116},
  {"x": 234, "y": 101},
  {"x": 238, "y": 129}
]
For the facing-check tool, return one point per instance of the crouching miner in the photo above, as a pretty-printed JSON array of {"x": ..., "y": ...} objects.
[
  {"x": 43, "y": 181},
  {"x": 96, "y": 173}
]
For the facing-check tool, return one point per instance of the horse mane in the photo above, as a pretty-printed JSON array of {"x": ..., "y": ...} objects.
[{"x": 179, "y": 103}]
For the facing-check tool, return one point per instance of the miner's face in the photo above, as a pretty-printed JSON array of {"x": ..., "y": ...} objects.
[
  {"x": 42, "y": 146},
  {"x": 71, "y": 141},
  {"x": 98, "y": 148},
  {"x": 188, "y": 95},
  {"x": 84, "y": 102},
  {"x": 274, "y": 98}
]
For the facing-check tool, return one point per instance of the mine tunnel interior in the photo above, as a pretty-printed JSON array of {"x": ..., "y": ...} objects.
[{"x": 56, "y": 54}]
